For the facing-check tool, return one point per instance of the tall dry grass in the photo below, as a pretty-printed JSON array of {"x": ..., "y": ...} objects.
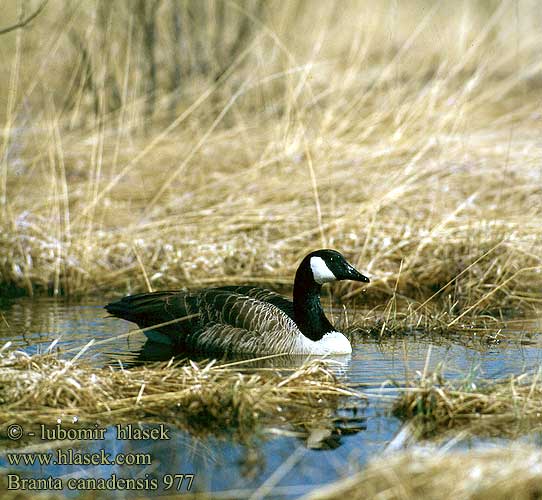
[{"x": 406, "y": 135}]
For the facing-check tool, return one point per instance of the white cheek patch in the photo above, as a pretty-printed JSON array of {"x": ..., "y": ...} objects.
[{"x": 320, "y": 272}]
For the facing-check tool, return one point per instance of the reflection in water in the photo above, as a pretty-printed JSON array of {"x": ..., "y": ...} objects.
[
  {"x": 317, "y": 452},
  {"x": 153, "y": 351}
]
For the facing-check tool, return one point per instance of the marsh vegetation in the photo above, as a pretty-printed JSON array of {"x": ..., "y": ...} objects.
[{"x": 203, "y": 398}]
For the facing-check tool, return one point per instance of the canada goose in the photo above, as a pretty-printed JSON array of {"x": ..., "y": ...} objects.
[{"x": 246, "y": 319}]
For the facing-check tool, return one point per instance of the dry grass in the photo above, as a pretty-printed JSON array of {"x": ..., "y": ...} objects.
[
  {"x": 202, "y": 398},
  {"x": 391, "y": 319},
  {"x": 405, "y": 136},
  {"x": 507, "y": 407},
  {"x": 500, "y": 473}
]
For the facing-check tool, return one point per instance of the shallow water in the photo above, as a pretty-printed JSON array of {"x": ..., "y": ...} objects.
[{"x": 219, "y": 464}]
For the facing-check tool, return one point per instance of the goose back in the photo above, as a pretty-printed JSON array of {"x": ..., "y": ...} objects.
[{"x": 284, "y": 304}]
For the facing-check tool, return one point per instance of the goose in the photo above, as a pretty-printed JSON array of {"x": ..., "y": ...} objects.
[{"x": 246, "y": 319}]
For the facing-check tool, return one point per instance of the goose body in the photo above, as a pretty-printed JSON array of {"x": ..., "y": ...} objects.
[{"x": 246, "y": 319}]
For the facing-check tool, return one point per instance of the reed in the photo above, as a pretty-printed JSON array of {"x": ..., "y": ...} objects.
[{"x": 128, "y": 164}]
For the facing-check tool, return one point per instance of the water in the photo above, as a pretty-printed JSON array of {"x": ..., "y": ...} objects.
[{"x": 221, "y": 464}]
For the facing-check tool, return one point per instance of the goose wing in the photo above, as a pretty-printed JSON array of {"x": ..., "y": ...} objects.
[
  {"x": 229, "y": 319},
  {"x": 236, "y": 323}
]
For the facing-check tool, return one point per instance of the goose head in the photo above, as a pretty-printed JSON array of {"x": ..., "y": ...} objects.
[
  {"x": 325, "y": 266},
  {"x": 316, "y": 269}
]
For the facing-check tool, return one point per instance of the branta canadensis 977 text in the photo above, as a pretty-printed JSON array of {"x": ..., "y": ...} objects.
[{"x": 246, "y": 319}]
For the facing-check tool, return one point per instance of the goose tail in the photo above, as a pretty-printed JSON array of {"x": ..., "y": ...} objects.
[{"x": 151, "y": 309}]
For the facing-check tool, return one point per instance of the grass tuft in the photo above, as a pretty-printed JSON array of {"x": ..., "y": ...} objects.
[
  {"x": 507, "y": 407},
  {"x": 205, "y": 398}
]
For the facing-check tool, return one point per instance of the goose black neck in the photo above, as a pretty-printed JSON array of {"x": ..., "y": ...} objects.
[{"x": 308, "y": 312}]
